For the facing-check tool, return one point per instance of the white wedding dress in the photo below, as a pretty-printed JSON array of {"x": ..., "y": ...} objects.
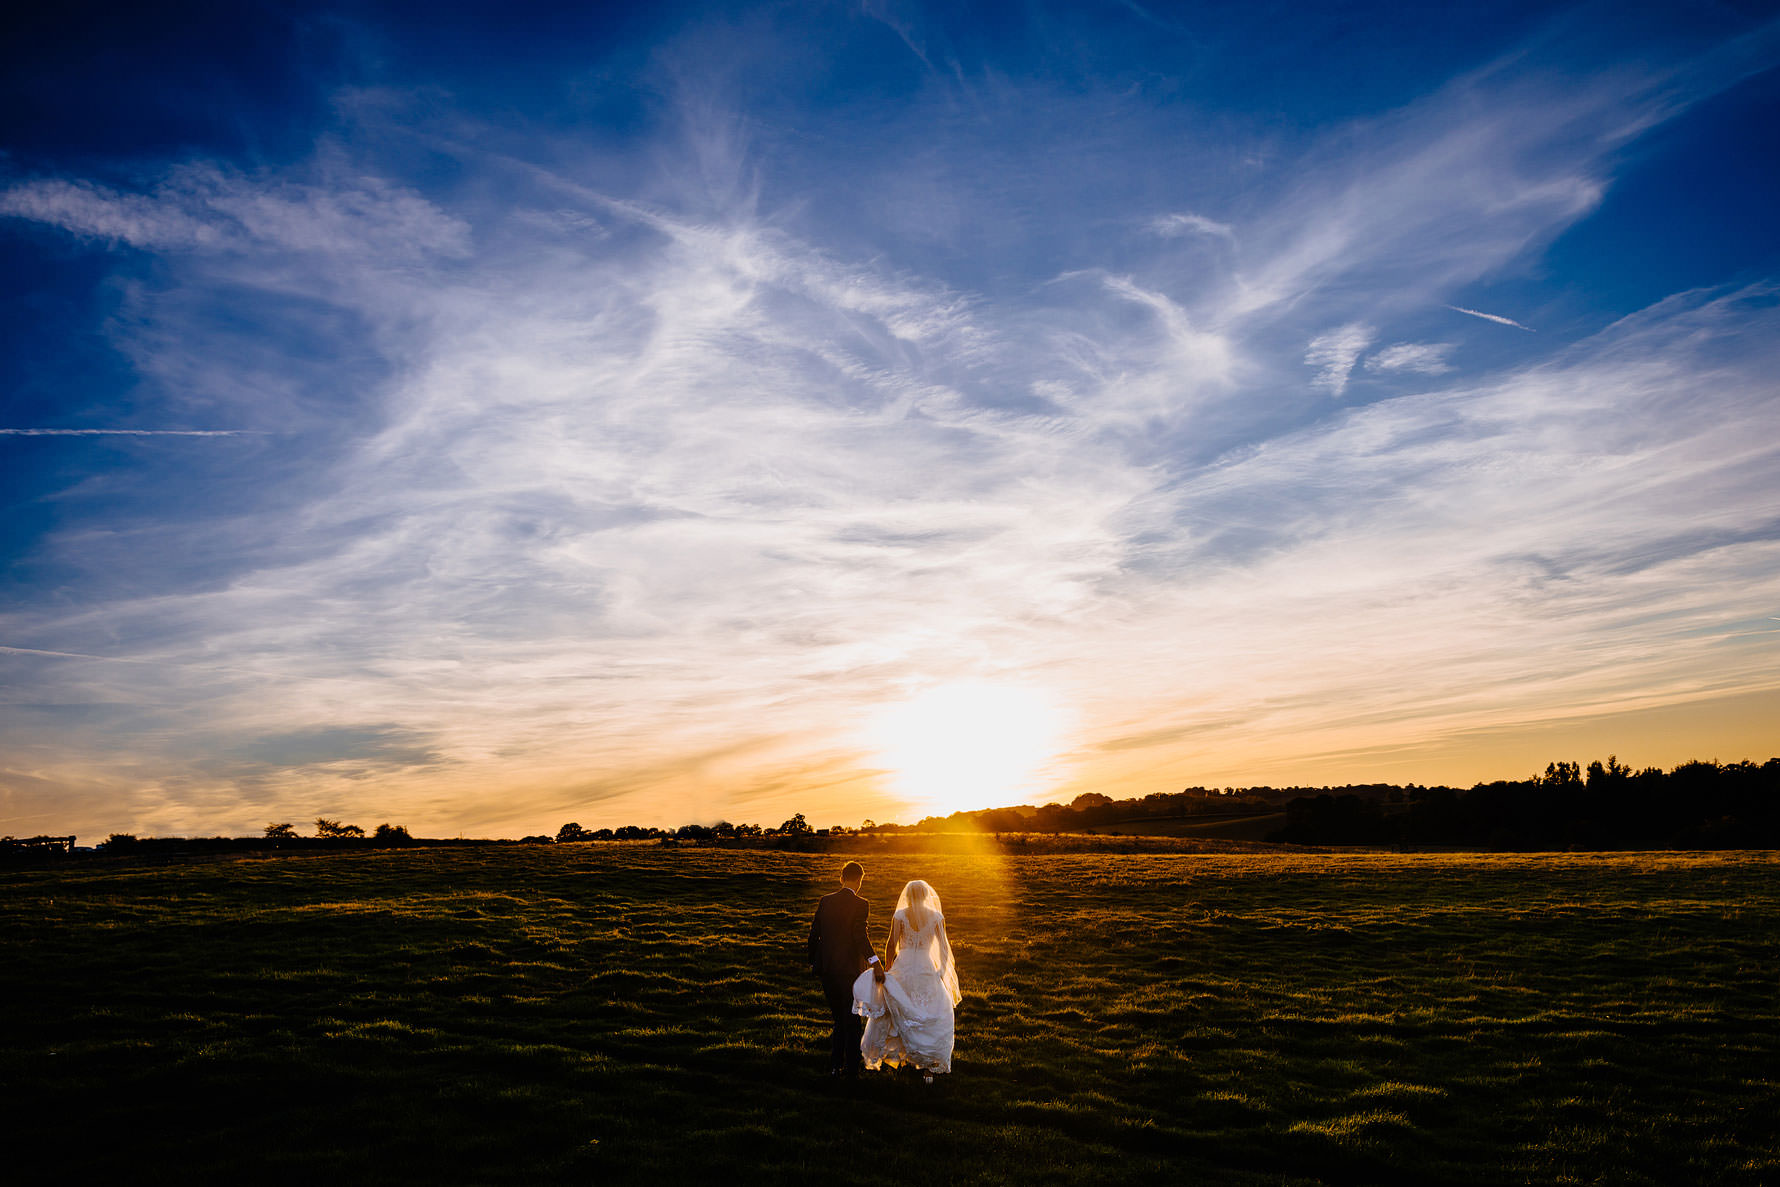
[{"x": 909, "y": 1016}]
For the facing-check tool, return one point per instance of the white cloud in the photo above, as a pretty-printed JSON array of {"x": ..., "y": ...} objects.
[
  {"x": 121, "y": 432},
  {"x": 85, "y": 209},
  {"x": 1409, "y": 206},
  {"x": 205, "y": 207},
  {"x": 1334, "y": 354},
  {"x": 1172, "y": 226},
  {"x": 1421, "y": 358}
]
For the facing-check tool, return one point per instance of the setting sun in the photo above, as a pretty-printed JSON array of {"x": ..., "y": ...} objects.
[{"x": 967, "y": 745}]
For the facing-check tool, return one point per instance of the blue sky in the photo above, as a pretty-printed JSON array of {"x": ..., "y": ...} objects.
[{"x": 485, "y": 417}]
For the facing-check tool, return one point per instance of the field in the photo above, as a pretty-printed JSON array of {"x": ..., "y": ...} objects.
[{"x": 623, "y": 1013}]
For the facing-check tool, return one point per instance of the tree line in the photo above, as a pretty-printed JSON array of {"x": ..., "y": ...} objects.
[
  {"x": 1697, "y": 805},
  {"x": 1093, "y": 810},
  {"x": 329, "y": 834},
  {"x": 795, "y": 829},
  {"x": 1605, "y": 806}
]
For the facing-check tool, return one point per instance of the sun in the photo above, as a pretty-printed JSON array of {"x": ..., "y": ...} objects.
[{"x": 968, "y": 745}]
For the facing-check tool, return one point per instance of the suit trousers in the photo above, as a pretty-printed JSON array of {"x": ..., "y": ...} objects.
[{"x": 843, "y": 1045}]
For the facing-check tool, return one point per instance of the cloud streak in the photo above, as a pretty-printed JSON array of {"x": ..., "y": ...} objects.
[
  {"x": 1419, "y": 358},
  {"x": 1495, "y": 317},
  {"x": 128, "y": 432}
]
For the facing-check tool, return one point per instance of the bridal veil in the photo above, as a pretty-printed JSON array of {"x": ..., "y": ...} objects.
[{"x": 919, "y": 906}]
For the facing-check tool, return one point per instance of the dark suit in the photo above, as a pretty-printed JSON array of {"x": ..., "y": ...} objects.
[{"x": 839, "y": 951}]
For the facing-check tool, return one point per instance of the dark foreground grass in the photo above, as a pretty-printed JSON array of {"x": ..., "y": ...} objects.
[{"x": 611, "y": 1013}]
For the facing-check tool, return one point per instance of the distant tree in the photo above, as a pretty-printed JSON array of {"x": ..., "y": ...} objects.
[
  {"x": 281, "y": 832},
  {"x": 1002, "y": 820},
  {"x": 869, "y": 824},
  {"x": 333, "y": 828},
  {"x": 723, "y": 829},
  {"x": 1561, "y": 774},
  {"x": 392, "y": 834},
  {"x": 797, "y": 826},
  {"x": 120, "y": 841},
  {"x": 1090, "y": 799},
  {"x": 571, "y": 832},
  {"x": 1613, "y": 772}
]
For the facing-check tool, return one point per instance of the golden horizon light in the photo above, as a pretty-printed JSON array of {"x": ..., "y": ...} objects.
[{"x": 967, "y": 744}]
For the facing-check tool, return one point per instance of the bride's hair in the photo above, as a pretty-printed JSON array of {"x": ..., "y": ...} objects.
[{"x": 919, "y": 903}]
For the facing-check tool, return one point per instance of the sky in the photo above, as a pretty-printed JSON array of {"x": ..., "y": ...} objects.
[{"x": 480, "y": 417}]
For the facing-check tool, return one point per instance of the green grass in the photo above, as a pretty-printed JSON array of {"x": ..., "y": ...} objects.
[{"x": 614, "y": 1013}]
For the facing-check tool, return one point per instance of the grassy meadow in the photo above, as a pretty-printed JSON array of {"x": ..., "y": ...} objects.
[{"x": 629, "y": 1013}]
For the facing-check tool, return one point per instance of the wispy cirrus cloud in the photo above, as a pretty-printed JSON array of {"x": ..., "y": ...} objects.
[
  {"x": 1170, "y": 226},
  {"x": 1420, "y": 358},
  {"x": 208, "y": 207},
  {"x": 1335, "y": 354},
  {"x": 82, "y": 208},
  {"x": 124, "y": 432}
]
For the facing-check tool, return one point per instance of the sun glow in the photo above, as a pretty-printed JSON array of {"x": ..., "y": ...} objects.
[{"x": 968, "y": 745}]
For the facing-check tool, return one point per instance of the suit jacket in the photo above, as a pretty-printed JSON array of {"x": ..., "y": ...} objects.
[{"x": 839, "y": 947}]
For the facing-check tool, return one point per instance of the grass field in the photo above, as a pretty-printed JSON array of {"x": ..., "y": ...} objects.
[{"x": 614, "y": 1013}]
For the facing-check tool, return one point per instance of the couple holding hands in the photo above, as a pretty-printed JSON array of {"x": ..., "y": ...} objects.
[{"x": 905, "y": 1000}]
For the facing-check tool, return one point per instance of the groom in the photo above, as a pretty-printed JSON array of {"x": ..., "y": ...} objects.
[{"x": 839, "y": 952}]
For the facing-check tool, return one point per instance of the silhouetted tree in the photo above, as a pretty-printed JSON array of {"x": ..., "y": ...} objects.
[
  {"x": 392, "y": 834},
  {"x": 118, "y": 841},
  {"x": 571, "y": 832},
  {"x": 797, "y": 826},
  {"x": 1001, "y": 820},
  {"x": 333, "y": 828},
  {"x": 1561, "y": 774},
  {"x": 281, "y": 832},
  {"x": 1613, "y": 772}
]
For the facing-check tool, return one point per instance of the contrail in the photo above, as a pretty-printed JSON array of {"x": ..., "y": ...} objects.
[
  {"x": 1497, "y": 318},
  {"x": 113, "y": 659},
  {"x": 130, "y": 433},
  {"x": 147, "y": 663}
]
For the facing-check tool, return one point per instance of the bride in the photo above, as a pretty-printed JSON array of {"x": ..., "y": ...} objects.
[{"x": 909, "y": 1015}]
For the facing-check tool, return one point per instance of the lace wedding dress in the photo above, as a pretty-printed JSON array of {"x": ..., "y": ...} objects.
[{"x": 909, "y": 1016}]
